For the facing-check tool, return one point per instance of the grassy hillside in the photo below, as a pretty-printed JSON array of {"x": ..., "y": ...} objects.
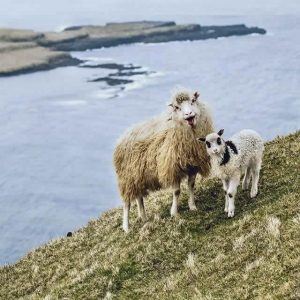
[{"x": 199, "y": 255}]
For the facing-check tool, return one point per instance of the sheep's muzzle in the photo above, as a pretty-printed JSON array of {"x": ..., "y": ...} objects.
[{"x": 191, "y": 120}]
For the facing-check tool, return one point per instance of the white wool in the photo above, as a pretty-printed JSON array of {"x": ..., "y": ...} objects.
[
  {"x": 245, "y": 159},
  {"x": 249, "y": 145},
  {"x": 149, "y": 128},
  {"x": 162, "y": 151}
]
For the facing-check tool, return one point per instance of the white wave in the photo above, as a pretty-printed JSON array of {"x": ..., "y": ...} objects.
[
  {"x": 71, "y": 103},
  {"x": 107, "y": 93}
]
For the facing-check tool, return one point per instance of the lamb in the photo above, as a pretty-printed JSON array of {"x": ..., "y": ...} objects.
[
  {"x": 160, "y": 152},
  {"x": 242, "y": 154}
]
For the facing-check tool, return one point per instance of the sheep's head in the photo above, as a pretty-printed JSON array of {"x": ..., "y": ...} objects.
[
  {"x": 215, "y": 145},
  {"x": 185, "y": 108}
]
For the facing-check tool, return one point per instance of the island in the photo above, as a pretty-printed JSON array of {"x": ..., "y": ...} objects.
[{"x": 25, "y": 51}]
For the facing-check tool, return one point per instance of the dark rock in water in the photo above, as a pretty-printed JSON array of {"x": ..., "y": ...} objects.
[
  {"x": 130, "y": 73},
  {"x": 111, "y": 81},
  {"x": 115, "y": 66},
  {"x": 69, "y": 234}
]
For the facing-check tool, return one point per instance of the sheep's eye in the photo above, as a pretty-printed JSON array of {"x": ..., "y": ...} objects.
[
  {"x": 219, "y": 141},
  {"x": 208, "y": 144},
  {"x": 176, "y": 107},
  {"x": 193, "y": 100}
]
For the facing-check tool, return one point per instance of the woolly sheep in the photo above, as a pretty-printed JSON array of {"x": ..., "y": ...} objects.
[
  {"x": 160, "y": 152},
  {"x": 242, "y": 154}
]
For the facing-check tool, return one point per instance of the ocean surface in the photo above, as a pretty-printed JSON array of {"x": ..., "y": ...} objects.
[{"x": 58, "y": 130}]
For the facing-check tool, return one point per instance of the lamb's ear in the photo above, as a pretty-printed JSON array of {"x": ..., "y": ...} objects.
[
  {"x": 202, "y": 139},
  {"x": 196, "y": 95},
  {"x": 220, "y": 132},
  {"x": 171, "y": 105}
]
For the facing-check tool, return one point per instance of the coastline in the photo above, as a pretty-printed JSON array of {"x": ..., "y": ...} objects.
[{"x": 26, "y": 51}]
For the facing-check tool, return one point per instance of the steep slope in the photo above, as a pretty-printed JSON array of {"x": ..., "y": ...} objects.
[{"x": 199, "y": 255}]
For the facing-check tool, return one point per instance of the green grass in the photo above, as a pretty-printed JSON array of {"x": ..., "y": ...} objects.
[{"x": 199, "y": 255}]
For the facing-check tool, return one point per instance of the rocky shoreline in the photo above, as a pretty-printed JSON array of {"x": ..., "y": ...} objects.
[{"x": 26, "y": 51}]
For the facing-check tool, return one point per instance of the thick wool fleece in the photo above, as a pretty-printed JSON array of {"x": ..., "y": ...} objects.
[{"x": 159, "y": 153}]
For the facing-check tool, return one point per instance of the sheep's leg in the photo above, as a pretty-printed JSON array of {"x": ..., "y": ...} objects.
[
  {"x": 126, "y": 208},
  {"x": 255, "y": 177},
  {"x": 191, "y": 185},
  {"x": 231, "y": 192},
  {"x": 176, "y": 193},
  {"x": 246, "y": 179},
  {"x": 141, "y": 208},
  {"x": 225, "y": 188}
]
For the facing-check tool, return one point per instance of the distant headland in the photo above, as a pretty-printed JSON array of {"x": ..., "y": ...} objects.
[{"x": 26, "y": 51}]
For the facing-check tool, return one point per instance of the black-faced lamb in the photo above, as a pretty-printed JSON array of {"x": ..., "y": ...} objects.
[
  {"x": 242, "y": 154},
  {"x": 160, "y": 152}
]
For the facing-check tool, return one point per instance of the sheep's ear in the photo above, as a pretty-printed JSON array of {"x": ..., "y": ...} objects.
[
  {"x": 202, "y": 139},
  {"x": 221, "y": 132},
  {"x": 171, "y": 105},
  {"x": 196, "y": 95}
]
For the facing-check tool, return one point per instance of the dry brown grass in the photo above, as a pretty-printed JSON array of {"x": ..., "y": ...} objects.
[{"x": 199, "y": 255}]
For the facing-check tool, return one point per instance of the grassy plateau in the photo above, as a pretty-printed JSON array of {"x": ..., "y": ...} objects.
[{"x": 198, "y": 255}]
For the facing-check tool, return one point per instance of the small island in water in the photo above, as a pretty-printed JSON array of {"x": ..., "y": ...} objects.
[{"x": 26, "y": 51}]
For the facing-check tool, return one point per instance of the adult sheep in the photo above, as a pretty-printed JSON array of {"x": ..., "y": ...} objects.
[{"x": 160, "y": 152}]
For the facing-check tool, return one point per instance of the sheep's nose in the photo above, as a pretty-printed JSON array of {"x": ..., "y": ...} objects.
[
  {"x": 188, "y": 113},
  {"x": 215, "y": 150}
]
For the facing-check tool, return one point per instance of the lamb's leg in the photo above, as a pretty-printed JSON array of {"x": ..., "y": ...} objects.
[
  {"x": 141, "y": 208},
  {"x": 126, "y": 208},
  {"x": 255, "y": 177},
  {"x": 231, "y": 192},
  {"x": 176, "y": 193},
  {"x": 225, "y": 188},
  {"x": 191, "y": 185},
  {"x": 246, "y": 179}
]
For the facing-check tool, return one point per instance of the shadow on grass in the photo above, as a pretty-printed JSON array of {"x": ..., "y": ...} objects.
[{"x": 210, "y": 201}]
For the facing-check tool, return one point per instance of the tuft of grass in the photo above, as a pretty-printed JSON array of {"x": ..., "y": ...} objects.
[{"x": 198, "y": 255}]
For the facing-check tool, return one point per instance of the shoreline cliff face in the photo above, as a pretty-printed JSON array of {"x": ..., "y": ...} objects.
[
  {"x": 199, "y": 255},
  {"x": 26, "y": 51}
]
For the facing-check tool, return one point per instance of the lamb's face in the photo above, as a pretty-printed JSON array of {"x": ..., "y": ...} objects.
[
  {"x": 215, "y": 145},
  {"x": 186, "y": 108}
]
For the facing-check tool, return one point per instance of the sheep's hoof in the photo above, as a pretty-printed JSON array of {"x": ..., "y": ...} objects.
[
  {"x": 174, "y": 213},
  {"x": 226, "y": 209},
  {"x": 193, "y": 207},
  {"x": 231, "y": 214},
  {"x": 253, "y": 193},
  {"x": 126, "y": 229}
]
